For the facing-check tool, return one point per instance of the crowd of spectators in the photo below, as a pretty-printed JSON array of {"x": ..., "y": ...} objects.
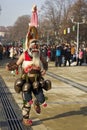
[
  {"x": 61, "y": 55},
  {"x": 10, "y": 51},
  {"x": 64, "y": 54}
]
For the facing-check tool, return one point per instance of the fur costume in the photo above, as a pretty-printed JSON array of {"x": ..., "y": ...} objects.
[{"x": 33, "y": 68}]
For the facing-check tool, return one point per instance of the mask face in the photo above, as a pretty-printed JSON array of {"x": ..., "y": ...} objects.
[
  {"x": 34, "y": 46},
  {"x": 35, "y": 54}
]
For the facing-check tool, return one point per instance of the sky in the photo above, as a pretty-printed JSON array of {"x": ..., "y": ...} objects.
[{"x": 12, "y": 9}]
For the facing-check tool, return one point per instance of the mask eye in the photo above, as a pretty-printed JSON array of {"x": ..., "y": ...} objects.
[{"x": 30, "y": 49}]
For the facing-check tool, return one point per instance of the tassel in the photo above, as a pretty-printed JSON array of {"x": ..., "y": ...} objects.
[{"x": 44, "y": 104}]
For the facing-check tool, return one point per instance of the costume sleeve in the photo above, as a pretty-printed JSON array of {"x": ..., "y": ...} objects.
[{"x": 12, "y": 65}]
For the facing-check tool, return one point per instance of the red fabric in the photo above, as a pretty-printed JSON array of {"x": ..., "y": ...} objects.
[
  {"x": 27, "y": 57},
  {"x": 49, "y": 53},
  {"x": 30, "y": 67}
]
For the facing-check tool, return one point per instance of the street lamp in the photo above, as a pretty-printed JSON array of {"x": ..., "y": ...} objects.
[{"x": 78, "y": 23}]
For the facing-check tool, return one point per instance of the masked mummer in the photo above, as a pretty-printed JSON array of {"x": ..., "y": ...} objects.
[
  {"x": 34, "y": 67},
  {"x": 32, "y": 73},
  {"x": 31, "y": 81}
]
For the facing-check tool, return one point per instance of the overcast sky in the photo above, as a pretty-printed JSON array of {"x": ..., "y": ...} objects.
[{"x": 12, "y": 9}]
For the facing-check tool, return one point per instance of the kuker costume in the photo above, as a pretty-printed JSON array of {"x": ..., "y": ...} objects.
[{"x": 31, "y": 80}]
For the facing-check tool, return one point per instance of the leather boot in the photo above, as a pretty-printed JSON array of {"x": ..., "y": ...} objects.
[
  {"x": 37, "y": 107},
  {"x": 27, "y": 122}
]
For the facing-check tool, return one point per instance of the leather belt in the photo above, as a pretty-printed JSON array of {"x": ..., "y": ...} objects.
[{"x": 33, "y": 75}]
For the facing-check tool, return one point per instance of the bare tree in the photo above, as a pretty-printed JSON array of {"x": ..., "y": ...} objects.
[
  {"x": 77, "y": 10},
  {"x": 54, "y": 18},
  {"x": 56, "y": 12},
  {"x": 20, "y": 28}
]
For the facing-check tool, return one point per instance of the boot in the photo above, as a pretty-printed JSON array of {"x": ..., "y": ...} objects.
[
  {"x": 37, "y": 107},
  {"x": 27, "y": 122},
  {"x": 25, "y": 112}
]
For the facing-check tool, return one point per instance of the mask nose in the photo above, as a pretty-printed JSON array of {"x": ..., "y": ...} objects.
[{"x": 35, "y": 46}]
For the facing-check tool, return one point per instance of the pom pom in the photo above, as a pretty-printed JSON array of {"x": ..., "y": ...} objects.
[
  {"x": 31, "y": 102},
  {"x": 44, "y": 104}
]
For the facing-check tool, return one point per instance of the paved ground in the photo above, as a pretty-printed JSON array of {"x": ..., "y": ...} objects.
[{"x": 67, "y": 106}]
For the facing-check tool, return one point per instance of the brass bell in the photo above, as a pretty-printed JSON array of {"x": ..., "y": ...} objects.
[{"x": 35, "y": 85}]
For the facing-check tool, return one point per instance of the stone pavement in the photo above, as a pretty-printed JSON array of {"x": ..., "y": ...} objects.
[{"x": 67, "y": 106}]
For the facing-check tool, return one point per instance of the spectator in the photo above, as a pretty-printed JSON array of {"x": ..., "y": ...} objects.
[
  {"x": 67, "y": 54},
  {"x": 53, "y": 52},
  {"x": 58, "y": 59},
  {"x": 80, "y": 57},
  {"x": 1, "y": 51},
  {"x": 48, "y": 54}
]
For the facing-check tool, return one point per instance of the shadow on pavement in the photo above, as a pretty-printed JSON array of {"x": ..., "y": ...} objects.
[{"x": 82, "y": 111}]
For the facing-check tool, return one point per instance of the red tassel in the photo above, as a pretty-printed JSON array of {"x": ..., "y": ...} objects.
[
  {"x": 30, "y": 102},
  {"x": 17, "y": 71},
  {"x": 44, "y": 104}
]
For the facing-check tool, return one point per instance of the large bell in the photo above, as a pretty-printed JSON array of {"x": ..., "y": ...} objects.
[
  {"x": 35, "y": 85},
  {"x": 42, "y": 82},
  {"x": 26, "y": 87},
  {"x": 47, "y": 85},
  {"x": 18, "y": 85}
]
